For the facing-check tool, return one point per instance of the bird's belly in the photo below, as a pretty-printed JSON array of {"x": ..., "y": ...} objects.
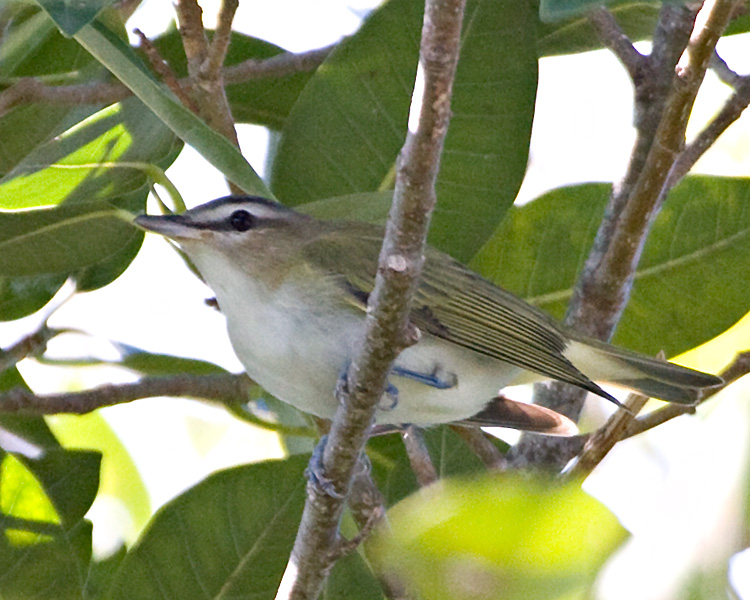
[
  {"x": 479, "y": 378},
  {"x": 300, "y": 360}
]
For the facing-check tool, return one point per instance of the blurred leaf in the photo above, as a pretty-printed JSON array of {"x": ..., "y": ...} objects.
[
  {"x": 70, "y": 478},
  {"x": 370, "y": 207},
  {"x": 265, "y": 101},
  {"x": 150, "y": 363},
  {"x": 71, "y": 15},
  {"x": 351, "y": 578},
  {"x": 21, "y": 296},
  {"x": 392, "y": 470},
  {"x": 497, "y": 536},
  {"x": 29, "y": 429},
  {"x": 68, "y": 168},
  {"x": 120, "y": 478},
  {"x": 349, "y": 124},
  {"x": 120, "y": 59},
  {"x": 700, "y": 241},
  {"x": 61, "y": 239},
  {"x": 54, "y": 568},
  {"x": 230, "y": 535}
]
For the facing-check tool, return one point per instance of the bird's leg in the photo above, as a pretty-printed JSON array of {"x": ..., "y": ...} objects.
[{"x": 439, "y": 378}]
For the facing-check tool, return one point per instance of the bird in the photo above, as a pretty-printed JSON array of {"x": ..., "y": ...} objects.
[{"x": 294, "y": 290}]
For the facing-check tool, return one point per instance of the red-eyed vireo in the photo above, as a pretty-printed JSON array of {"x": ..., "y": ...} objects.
[{"x": 294, "y": 291}]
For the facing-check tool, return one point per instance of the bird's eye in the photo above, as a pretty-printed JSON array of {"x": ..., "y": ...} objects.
[{"x": 241, "y": 220}]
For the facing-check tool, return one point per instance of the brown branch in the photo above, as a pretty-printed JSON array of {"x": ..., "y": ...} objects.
[
  {"x": 387, "y": 328},
  {"x": 33, "y": 344},
  {"x": 164, "y": 71},
  {"x": 664, "y": 99},
  {"x": 723, "y": 71},
  {"x": 281, "y": 65},
  {"x": 224, "y": 388},
  {"x": 614, "y": 38},
  {"x": 194, "y": 40},
  {"x": 482, "y": 446},
  {"x": 729, "y": 113},
  {"x": 604, "y": 439},
  {"x": 28, "y": 90},
  {"x": 217, "y": 51},
  {"x": 419, "y": 456}
]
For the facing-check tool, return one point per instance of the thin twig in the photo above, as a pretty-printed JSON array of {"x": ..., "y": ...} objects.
[
  {"x": 387, "y": 330},
  {"x": 482, "y": 446},
  {"x": 604, "y": 439},
  {"x": 723, "y": 71},
  {"x": 729, "y": 113},
  {"x": 217, "y": 51},
  {"x": 30, "y": 345},
  {"x": 163, "y": 70},
  {"x": 419, "y": 456},
  {"x": 29, "y": 90},
  {"x": 223, "y": 388},
  {"x": 618, "y": 42}
]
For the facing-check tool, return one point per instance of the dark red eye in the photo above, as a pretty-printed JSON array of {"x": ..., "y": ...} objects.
[{"x": 241, "y": 220}]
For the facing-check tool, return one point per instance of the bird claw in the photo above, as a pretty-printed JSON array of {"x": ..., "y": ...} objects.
[{"x": 315, "y": 472}]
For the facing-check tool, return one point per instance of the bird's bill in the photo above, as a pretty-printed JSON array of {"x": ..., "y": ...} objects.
[{"x": 175, "y": 227}]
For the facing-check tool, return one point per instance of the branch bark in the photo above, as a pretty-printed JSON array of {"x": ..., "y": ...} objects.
[
  {"x": 387, "y": 329},
  {"x": 664, "y": 100}
]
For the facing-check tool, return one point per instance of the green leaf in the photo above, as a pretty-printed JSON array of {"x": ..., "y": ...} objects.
[
  {"x": 700, "y": 241},
  {"x": 370, "y": 207},
  {"x": 120, "y": 59},
  {"x": 498, "y": 536},
  {"x": 229, "y": 536},
  {"x": 265, "y": 101},
  {"x": 150, "y": 363},
  {"x": 392, "y": 470},
  {"x": 351, "y": 578},
  {"x": 21, "y": 296},
  {"x": 53, "y": 568},
  {"x": 345, "y": 132},
  {"x": 71, "y": 15},
  {"x": 120, "y": 478},
  {"x": 94, "y": 159},
  {"x": 61, "y": 239}
]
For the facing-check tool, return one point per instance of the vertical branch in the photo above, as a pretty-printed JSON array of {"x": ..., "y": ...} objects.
[
  {"x": 664, "y": 100},
  {"x": 387, "y": 327},
  {"x": 204, "y": 61}
]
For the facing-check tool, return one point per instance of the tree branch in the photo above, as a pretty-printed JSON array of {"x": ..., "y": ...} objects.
[
  {"x": 223, "y": 388},
  {"x": 419, "y": 456},
  {"x": 618, "y": 42},
  {"x": 387, "y": 325},
  {"x": 664, "y": 100},
  {"x": 29, "y": 90}
]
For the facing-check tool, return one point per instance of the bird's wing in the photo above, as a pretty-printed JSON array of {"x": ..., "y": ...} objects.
[{"x": 454, "y": 304}]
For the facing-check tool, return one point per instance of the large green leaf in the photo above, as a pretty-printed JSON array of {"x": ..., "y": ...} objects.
[
  {"x": 265, "y": 101},
  {"x": 120, "y": 59},
  {"x": 392, "y": 470},
  {"x": 499, "y": 536},
  {"x": 345, "y": 132},
  {"x": 690, "y": 283},
  {"x": 60, "y": 239},
  {"x": 68, "y": 167},
  {"x": 229, "y": 536},
  {"x": 71, "y": 15}
]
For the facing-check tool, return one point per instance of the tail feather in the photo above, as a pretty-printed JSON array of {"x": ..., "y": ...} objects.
[{"x": 651, "y": 377}]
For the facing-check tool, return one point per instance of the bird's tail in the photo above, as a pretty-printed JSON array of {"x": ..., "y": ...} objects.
[{"x": 649, "y": 376}]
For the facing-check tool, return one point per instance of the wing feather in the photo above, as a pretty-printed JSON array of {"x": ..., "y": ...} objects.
[{"x": 452, "y": 303}]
